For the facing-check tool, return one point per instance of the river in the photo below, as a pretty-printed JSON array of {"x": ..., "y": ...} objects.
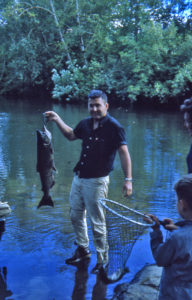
[{"x": 36, "y": 242}]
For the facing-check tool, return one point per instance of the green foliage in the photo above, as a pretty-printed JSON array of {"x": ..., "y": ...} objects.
[
  {"x": 75, "y": 82},
  {"x": 66, "y": 83},
  {"x": 131, "y": 49}
]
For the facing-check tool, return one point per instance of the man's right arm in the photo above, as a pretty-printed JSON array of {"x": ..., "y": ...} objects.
[{"x": 65, "y": 129}]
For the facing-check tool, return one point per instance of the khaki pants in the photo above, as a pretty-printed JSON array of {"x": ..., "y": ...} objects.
[{"x": 84, "y": 198}]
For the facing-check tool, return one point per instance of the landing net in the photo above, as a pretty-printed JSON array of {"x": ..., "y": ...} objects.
[{"x": 124, "y": 226}]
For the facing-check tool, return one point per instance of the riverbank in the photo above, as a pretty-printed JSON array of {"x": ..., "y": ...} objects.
[
  {"x": 144, "y": 286},
  {"x": 44, "y": 96}
]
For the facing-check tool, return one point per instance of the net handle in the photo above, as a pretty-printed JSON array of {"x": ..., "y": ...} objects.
[{"x": 102, "y": 200}]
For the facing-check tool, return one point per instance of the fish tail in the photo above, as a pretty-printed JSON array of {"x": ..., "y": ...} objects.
[{"x": 46, "y": 200}]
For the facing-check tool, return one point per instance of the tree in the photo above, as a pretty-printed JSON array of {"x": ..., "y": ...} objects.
[{"x": 132, "y": 49}]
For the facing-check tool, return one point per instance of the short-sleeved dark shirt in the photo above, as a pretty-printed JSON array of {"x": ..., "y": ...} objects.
[{"x": 99, "y": 146}]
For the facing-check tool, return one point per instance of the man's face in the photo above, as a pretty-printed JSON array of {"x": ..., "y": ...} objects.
[
  {"x": 188, "y": 122},
  {"x": 97, "y": 108}
]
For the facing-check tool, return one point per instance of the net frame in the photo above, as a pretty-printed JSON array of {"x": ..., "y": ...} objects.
[{"x": 102, "y": 200}]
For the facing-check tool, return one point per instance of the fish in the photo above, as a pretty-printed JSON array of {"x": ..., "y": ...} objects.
[{"x": 45, "y": 165}]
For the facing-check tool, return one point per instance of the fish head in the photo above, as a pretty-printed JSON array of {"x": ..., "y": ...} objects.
[
  {"x": 44, "y": 136},
  {"x": 47, "y": 133}
]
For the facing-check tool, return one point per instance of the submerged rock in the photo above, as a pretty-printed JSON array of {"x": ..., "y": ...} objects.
[
  {"x": 4, "y": 209},
  {"x": 144, "y": 286}
]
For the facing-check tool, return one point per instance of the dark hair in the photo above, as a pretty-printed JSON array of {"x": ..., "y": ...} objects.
[
  {"x": 183, "y": 189},
  {"x": 97, "y": 94}
]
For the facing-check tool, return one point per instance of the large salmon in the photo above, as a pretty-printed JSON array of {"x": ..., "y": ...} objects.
[{"x": 45, "y": 164}]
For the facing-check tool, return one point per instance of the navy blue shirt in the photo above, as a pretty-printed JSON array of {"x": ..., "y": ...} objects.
[{"x": 99, "y": 146}]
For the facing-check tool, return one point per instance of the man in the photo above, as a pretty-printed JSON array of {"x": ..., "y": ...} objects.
[{"x": 102, "y": 136}]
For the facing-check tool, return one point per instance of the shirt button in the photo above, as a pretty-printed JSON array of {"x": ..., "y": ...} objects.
[
  {"x": 84, "y": 155},
  {"x": 82, "y": 163},
  {"x": 96, "y": 138},
  {"x": 87, "y": 147},
  {"x": 90, "y": 138}
]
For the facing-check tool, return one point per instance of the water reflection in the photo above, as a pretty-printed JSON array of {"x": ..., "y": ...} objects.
[
  {"x": 158, "y": 145},
  {"x": 99, "y": 289},
  {"x": 4, "y": 292},
  {"x": 2, "y": 227},
  {"x": 81, "y": 278}
]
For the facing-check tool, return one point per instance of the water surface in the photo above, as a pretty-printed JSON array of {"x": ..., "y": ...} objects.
[{"x": 35, "y": 243}]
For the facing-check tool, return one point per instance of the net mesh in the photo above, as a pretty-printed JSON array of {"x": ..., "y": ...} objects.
[{"x": 124, "y": 227}]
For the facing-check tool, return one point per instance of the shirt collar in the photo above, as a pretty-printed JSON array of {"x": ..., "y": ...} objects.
[{"x": 103, "y": 120}]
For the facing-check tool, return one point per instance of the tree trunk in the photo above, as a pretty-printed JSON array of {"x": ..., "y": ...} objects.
[
  {"x": 59, "y": 30},
  {"x": 82, "y": 45}
]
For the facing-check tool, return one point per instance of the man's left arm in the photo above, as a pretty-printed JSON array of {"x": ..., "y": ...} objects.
[{"x": 127, "y": 169}]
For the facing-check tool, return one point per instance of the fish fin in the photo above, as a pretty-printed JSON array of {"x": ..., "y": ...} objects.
[{"x": 46, "y": 200}]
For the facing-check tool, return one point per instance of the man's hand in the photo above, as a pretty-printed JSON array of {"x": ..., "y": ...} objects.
[
  {"x": 127, "y": 188},
  {"x": 65, "y": 129},
  {"x": 51, "y": 116}
]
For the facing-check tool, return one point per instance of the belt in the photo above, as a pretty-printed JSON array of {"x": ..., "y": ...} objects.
[{"x": 77, "y": 173}]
